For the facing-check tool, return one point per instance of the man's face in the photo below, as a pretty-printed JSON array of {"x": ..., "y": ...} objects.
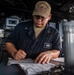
[{"x": 40, "y": 21}]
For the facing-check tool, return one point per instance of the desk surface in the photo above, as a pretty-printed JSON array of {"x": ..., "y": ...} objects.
[
  {"x": 9, "y": 70},
  {"x": 14, "y": 69}
]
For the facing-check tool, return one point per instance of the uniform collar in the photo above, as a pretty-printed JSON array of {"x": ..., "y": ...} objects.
[
  {"x": 32, "y": 33},
  {"x": 47, "y": 28}
]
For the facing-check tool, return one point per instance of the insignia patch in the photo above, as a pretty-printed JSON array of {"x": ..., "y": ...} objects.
[
  {"x": 42, "y": 7},
  {"x": 47, "y": 45}
]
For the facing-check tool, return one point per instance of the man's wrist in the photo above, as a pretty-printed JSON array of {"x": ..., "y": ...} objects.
[
  {"x": 49, "y": 54},
  {"x": 13, "y": 55}
]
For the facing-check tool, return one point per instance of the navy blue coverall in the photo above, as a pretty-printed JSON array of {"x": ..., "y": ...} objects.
[{"x": 23, "y": 37}]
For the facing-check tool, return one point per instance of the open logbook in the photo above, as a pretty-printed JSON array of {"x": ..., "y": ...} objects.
[{"x": 31, "y": 68}]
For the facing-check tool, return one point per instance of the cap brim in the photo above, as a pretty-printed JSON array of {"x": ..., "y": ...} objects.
[{"x": 40, "y": 14}]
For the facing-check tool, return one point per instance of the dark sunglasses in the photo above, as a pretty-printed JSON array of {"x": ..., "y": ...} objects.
[{"x": 39, "y": 17}]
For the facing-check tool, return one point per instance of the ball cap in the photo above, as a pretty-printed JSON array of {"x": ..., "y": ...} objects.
[{"x": 42, "y": 8}]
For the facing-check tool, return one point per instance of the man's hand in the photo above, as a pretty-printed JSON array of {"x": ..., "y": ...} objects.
[
  {"x": 18, "y": 55},
  {"x": 43, "y": 57}
]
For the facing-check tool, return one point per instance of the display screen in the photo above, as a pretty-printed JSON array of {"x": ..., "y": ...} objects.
[{"x": 11, "y": 22}]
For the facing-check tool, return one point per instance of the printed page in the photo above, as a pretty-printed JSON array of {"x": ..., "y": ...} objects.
[
  {"x": 35, "y": 68},
  {"x": 12, "y": 61},
  {"x": 31, "y": 68},
  {"x": 60, "y": 59}
]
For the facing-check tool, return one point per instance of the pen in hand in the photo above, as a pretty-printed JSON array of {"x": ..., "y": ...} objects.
[{"x": 19, "y": 55}]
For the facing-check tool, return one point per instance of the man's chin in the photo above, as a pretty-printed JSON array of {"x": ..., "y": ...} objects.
[{"x": 39, "y": 26}]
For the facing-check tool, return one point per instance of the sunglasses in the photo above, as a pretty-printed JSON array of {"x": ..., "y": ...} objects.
[{"x": 39, "y": 17}]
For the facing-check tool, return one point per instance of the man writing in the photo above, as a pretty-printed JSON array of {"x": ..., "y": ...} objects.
[{"x": 35, "y": 39}]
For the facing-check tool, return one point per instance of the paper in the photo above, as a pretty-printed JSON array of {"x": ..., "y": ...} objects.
[
  {"x": 31, "y": 68},
  {"x": 12, "y": 61},
  {"x": 60, "y": 59},
  {"x": 35, "y": 68}
]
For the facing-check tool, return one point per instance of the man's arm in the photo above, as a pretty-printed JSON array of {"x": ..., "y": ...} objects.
[
  {"x": 46, "y": 56},
  {"x": 17, "y": 55},
  {"x": 11, "y": 48},
  {"x": 54, "y": 53}
]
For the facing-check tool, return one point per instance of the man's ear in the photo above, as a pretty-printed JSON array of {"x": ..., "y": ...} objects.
[{"x": 49, "y": 16}]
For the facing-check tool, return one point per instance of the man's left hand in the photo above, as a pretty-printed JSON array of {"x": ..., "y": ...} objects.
[{"x": 43, "y": 57}]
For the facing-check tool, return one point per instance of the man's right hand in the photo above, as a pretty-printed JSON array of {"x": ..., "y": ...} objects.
[{"x": 18, "y": 55}]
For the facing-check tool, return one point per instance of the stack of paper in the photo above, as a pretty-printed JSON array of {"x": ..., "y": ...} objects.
[
  {"x": 31, "y": 68},
  {"x": 34, "y": 68},
  {"x": 12, "y": 61},
  {"x": 60, "y": 59}
]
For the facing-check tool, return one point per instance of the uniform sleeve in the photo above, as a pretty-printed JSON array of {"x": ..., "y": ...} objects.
[
  {"x": 12, "y": 38},
  {"x": 56, "y": 41}
]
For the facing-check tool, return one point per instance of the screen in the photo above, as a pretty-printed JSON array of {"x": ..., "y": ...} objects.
[{"x": 11, "y": 22}]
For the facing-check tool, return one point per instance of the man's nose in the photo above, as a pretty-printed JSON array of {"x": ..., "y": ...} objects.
[{"x": 39, "y": 19}]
